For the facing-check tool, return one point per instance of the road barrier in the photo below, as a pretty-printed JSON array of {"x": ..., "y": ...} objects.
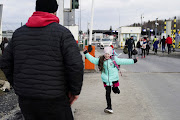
[{"x": 88, "y": 64}]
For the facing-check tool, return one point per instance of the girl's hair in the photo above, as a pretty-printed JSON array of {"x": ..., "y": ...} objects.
[{"x": 101, "y": 62}]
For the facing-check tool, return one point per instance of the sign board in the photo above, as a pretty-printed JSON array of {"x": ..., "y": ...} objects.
[
  {"x": 168, "y": 28},
  {"x": 74, "y": 30},
  {"x": 132, "y": 30}
]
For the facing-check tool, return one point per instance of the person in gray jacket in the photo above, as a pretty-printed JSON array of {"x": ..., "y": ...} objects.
[{"x": 43, "y": 64}]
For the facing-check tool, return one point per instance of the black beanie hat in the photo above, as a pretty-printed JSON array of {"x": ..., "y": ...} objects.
[{"x": 49, "y": 6}]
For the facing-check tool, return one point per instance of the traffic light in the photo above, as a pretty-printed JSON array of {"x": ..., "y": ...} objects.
[{"x": 75, "y": 4}]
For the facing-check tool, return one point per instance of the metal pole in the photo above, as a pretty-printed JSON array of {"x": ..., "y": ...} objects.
[
  {"x": 119, "y": 20},
  {"x": 80, "y": 15},
  {"x": 141, "y": 20},
  {"x": 142, "y": 16},
  {"x": 156, "y": 27},
  {"x": 80, "y": 22},
  {"x": 60, "y": 12},
  {"x": 91, "y": 26},
  {"x": 165, "y": 27}
]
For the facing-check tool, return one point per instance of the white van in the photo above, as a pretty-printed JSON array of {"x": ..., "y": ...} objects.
[{"x": 105, "y": 42}]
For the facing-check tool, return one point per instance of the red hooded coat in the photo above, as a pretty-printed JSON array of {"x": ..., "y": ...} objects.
[{"x": 169, "y": 40}]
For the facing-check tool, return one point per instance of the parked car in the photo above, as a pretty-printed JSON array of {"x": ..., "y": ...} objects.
[{"x": 105, "y": 42}]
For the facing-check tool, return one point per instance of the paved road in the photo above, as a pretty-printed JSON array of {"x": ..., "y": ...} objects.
[{"x": 149, "y": 91}]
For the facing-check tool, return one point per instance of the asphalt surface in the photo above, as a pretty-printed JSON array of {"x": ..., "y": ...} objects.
[{"x": 149, "y": 91}]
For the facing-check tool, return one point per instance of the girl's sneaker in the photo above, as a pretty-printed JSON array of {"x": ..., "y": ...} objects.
[{"x": 107, "y": 110}]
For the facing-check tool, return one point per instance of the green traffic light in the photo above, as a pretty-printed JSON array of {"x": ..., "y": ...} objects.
[{"x": 75, "y": 4}]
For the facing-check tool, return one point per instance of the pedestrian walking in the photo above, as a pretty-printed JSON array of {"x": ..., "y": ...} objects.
[
  {"x": 169, "y": 43},
  {"x": 138, "y": 45},
  {"x": 144, "y": 48},
  {"x": 154, "y": 40},
  {"x": 43, "y": 64},
  {"x": 130, "y": 43},
  {"x": 4, "y": 44},
  {"x": 108, "y": 65},
  {"x": 156, "y": 46},
  {"x": 163, "y": 42},
  {"x": 141, "y": 43},
  {"x": 147, "y": 46}
]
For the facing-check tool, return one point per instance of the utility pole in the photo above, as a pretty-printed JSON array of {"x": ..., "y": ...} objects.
[
  {"x": 60, "y": 12},
  {"x": 80, "y": 21},
  {"x": 141, "y": 19},
  {"x": 80, "y": 15},
  {"x": 91, "y": 26},
  {"x": 156, "y": 23},
  {"x": 119, "y": 20}
]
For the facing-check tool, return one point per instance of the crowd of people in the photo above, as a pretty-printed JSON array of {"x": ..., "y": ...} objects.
[
  {"x": 144, "y": 44},
  {"x": 162, "y": 42}
]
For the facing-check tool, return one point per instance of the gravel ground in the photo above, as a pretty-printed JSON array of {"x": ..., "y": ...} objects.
[{"x": 9, "y": 109}]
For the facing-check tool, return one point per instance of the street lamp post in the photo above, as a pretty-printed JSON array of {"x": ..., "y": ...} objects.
[
  {"x": 60, "y": 13},
  {"x": 141, "y": 19},
  {"x": 91, "y": 26},
  {"x": 156, "y": 26}
]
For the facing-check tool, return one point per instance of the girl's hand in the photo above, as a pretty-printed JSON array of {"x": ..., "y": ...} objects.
[{"x": 84, "y": 49}]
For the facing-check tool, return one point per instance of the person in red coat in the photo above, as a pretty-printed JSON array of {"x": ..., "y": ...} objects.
[{"x": 169, "y": 43}]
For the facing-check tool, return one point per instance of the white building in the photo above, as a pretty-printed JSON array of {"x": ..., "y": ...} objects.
[
  {"x": 8, "y": 34},
  {"x": 98, "y": 36},
  {"x": 126, "y": 32}
]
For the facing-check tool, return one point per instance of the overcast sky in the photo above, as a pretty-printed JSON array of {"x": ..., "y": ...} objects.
[{"x": 107, "y": 13}]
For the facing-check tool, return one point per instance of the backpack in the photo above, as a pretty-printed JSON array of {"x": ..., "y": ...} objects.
[
  {"x": 116, "y": 65},
  {"x": 138, "y": 44},
  {"x": 134, "y": 52},
  {"x": 125, "y": 50}
]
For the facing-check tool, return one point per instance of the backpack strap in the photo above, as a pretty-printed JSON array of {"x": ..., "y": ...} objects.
[{"x": 116, "y": 65}]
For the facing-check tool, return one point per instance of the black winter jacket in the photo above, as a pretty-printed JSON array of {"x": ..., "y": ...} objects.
[
  {"x": 43, "y": 62},
  {"x": 130, "y": 42}
]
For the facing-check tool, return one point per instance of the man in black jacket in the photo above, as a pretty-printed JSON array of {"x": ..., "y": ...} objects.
[
  {"x": 163, "y": 41},
  {"x": 44, "y": 66},
  {"x": 130, "y": 43}
]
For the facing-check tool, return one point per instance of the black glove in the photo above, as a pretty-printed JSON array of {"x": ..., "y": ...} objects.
[
  {"x": 116, "y": 90},
  {"x": 85, "y": 52},
  {"x": 135, "y": 60}
]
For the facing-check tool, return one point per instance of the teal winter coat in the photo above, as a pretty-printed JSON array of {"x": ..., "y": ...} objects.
[{"x": 110, "y": 73}]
